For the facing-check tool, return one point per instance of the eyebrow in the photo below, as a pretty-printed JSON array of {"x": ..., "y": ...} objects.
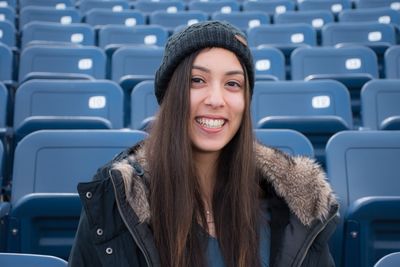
[{"x": 232, "y": 72}]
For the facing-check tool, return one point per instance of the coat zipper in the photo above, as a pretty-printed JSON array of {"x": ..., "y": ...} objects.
[
  {"x": 313, "y": 239},
  {"x": 132, "y": 231}
]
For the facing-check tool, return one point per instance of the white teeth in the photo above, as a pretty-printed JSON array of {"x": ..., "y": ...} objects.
[{"x": 211, "y": 123}]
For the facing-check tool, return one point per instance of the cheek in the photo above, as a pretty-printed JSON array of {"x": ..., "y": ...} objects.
[{"x": 237, "y": 104}]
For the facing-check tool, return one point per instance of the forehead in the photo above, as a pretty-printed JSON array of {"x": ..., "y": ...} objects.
[{"x": 218, "y": 58}]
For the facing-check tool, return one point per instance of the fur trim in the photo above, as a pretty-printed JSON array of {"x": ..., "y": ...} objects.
[{"x": 298, "y": 180}]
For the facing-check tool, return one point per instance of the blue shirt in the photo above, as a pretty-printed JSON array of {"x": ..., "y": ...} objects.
[{"x": 214, "y": 255}]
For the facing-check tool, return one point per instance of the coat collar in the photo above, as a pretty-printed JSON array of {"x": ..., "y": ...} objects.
[{"x": 298, "y": 180}]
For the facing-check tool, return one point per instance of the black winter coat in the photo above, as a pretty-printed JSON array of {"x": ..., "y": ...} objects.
[{"x": 114, "y": 230}]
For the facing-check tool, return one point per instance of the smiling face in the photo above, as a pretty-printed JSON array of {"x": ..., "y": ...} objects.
[{"x": 217, "y": 99}]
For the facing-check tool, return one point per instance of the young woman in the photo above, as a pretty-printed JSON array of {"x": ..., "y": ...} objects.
[{"x": 200, "y": 191}]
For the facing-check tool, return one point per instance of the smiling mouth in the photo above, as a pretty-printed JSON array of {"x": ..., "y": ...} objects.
[{"x": 210, "y": 123}]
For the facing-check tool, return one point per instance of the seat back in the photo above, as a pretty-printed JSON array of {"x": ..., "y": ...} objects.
[
  {"x": 270, "y": 7},
  {"x": 101, "y": 17},
  {"x": 7, "y": 13},
  {"x": 367, "y": 158},
  {"x": 381, "y": 15},
  {"x": 3, "y": 106},
  {"x": 289, "y": 141},
  {"x": 57, "y": 4},
  {"x": 376, "y": 4},
  {"x": 53, "y": 33},
  {"x": 48, "y": 14},
  {"x": 45, "y": 60},
  {"x": 269, "y": 63},
  {"x": 41, "y": 104},
  {"x": 6, "y": 63},
  {"x": 113, "y": 5},
  {"x": 223, "y": 6},
  {"x": 334, "y": 6},
  {"x": 170, "y": 6},
  {"x": 144, "y": 105},
  {"x": 392, "y": 65},
  {"x": 380, "y": 109},
  {"x": 317, "y": 19},
  {"x": 244, "y": 19},
  {"x": 172, "y": 20},
  {"x": 7, "y": 33},
  {"x": 392, "y": 259},
  {"x": 117, "y": 35},
  {"x": 21, "y": 260}
]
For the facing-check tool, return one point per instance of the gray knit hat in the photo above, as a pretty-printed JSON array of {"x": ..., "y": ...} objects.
[{"x": 198, "y": 36}]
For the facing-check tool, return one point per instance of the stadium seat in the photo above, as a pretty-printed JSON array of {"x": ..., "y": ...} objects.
[
  {"x": 393, "y": 4},
  {"x": 392, "y": 62},
  {"x": 61, "y": 104},
  {"x": 7, "y": 33},
  {"x": 317, "y": 18},
  {"x": 270, "y": 7},
  {"x": 172, "y": 20},
  {"x": 22, "y": 260},
  {"x": 380, "y": 109},
  {"x": 334, "y": 6},
  {"x": 112, "y": 5},
  {"x": 170, "y": 6},
  {"x": 210, "y": 7},
  {"x": 381, "y": 15},
  {"x": 57, "y": 4},
  {"x": 289, "y": 141},
  {"x": 9, "y": 3},
  {"x": 365, "y": 164},
  {"x": 318, "y": 109},
  {"x": 6, "y": 64},
  {"x": 243, "y": 19},
  {"x": 269, "y": 63},
  {"x": 55, "y": 33},
  {"x": 351, "y": 65},
  {"x": 114, "y": 36},
  {"x": 8, "y": 14},
  {"x": 101, "y": 17},
  {"x": 392, "y": 259},
  {"x": 45, "y": 208},
  {"x": 144, "y": 105},
  {"x": 74, "y": 62},
  {"x": 3, "y": 107},
  {"x": 48, "y": 14}
]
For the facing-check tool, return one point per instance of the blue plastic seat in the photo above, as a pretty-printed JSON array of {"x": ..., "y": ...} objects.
[
  {"x": 9, "y": 3},
  {"x": 101, "y": 17},
  {"x": 391, "y": 62},
  {"x": 394, "y": 4},
  {"x": 48, "y": 164},
  {"x": 172, "y": 20},
  {"x": 244, "y": 19},
  {"x": 223, "y": 6},
  {"x": 363, "y": 168},
  {"x": 270, "y": 7},
  {"x": 47, "y": 62},
  {"x": 61, "y": 104},
  {"x": 148, "y": 7},
  {"x": 334, "y": 6},
  {"x": 351, "y": 65},
  {"x": 381, "y": 15},
  {"x": 112, "y": 5},
  {"x": 269, "y": 63},
  {"x": 6, "y": 64},
  {"x": 57, "y": 4},
  {"x": 21, "y": 260},
  {"x": 114, "y": 36},
  {"x": 380, "y": 109},
  {"x": 392, "y": 259},
  {"x": 48, "y": 14},
  {"x": 317, "y": 18},
  {"x": 7, "y": 13},
  {"x": 7, "y": 33},
  {"x": 375, "y": 35},
  {"x": 144, "y": 105},
  {"x": 289, "y": 141},
  {"x": 3, "y": 106},
  {"x": 318, "y": 109},
  {"x": 56, "y": 33}
]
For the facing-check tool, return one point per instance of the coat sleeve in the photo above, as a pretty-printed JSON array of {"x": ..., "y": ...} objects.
[{"x": 83, "y": 252}]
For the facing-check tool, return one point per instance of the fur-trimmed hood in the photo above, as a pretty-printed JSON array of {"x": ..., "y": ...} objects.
[{"x": 298, "y": 180}]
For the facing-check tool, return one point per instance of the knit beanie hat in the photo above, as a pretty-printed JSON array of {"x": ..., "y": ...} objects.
[{"x": 196, "y": 37}]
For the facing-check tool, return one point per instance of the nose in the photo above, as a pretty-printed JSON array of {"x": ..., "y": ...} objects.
[{"x": 215, "y": 96}]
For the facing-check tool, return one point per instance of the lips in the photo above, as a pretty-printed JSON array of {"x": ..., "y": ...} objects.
[{"x": 211, "y": 123}]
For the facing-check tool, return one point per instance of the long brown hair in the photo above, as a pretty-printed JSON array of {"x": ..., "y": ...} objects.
[{"x": 175, "y": 196}]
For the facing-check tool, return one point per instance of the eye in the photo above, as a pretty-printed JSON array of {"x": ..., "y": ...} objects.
[
  {"x": 234, "y": 85},
  {"x": 197, "y": 80}
]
